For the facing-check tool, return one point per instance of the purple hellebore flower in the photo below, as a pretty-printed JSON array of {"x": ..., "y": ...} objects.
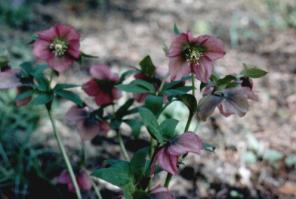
[
  {"x": 230, "y": 101},
  {"x": 194, "y": 54},
  {"x": 83, "y": 180},
  {"x": 168, "y": 155},
  {"x": 102, "y": 85},
  {"x": 58, "y": 46},
  {"x": 88, "y": 126}
]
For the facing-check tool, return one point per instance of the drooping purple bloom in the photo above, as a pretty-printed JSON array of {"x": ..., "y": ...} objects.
[
  {"x": 230, "y": 101},
  {"x": 82, "y": 177},
  {"x": 87, "y": 124},
  {"x": 194, "y": 54},
  {"x": 58, "y": 46},
  {"x": 102, "y": 85},
  {"x": 167, "y": 156}
]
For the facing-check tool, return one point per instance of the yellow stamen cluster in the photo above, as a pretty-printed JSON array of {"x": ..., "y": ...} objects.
[{"x": 59, "y": 47}]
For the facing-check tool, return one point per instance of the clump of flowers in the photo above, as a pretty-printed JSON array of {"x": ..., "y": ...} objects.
[{"x": 144, "y": 95}]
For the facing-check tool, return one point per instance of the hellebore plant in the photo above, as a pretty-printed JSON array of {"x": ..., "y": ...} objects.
[{"x": 144, "y": 97}]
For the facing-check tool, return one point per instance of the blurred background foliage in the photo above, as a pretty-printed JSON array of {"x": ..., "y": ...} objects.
[{"x": 257, "y": 153}]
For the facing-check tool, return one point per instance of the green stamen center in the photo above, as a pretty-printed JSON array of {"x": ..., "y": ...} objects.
[
  {"x": 59, "y": 47},
  {"x": 192, "y": 54}
]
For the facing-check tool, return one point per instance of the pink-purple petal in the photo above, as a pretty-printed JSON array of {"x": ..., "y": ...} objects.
[
  {"x": 9, "y": 79},
  {"x": 203, "y": 70},
  {"x": 185, "y": 143}
]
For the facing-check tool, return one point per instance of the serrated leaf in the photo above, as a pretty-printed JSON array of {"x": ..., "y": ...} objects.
[
  {"x": 70, "y": 96},
  {"x": 154, "y": 103},
  {"x": 168, "y": 128},
  {"x": 151, "y": 124},
  {"x": 178, "y": 91},
  {"x": 253, "y": 72},
  {"x": 27, "y": 67},
  {"x": 226, "y": 80},
  {"x": 147, "y": 66}
]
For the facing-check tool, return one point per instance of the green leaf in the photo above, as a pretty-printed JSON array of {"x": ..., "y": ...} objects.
[
  {"x": 64, "y": 86},
  {"x": 117, "y": 174},
  {"x": 176, "y": 29},
  {"x": 228, "y": 79},
  {"x": 147, "y": 66},
  {"x": 140, "y": 194},
  {"x": 70, "y": 96},
  {"x": 126, "y": 74},
  {"x": 190, "y": 102},
  {"x": 24, "y": 95},
  {"x": 123, "y": 110},
  {"x": 39, "y": 68},
  {"x": 42, "y": 82},
  {"x": 291, "y": 160},
  {"x": 168, "y": 128},
  {"x": 42, "y": 99},
  {"x": 253, "y": 72},
  {"x": 178, "y": 91},
  {"x": 135, "y": 125},
  {"x": 138, "y": 164},
  {"x": 154, "y": 103},
  {"x": 3, "y": 61},
  {"x": 151, "y": 124},
  {"x": 27, "y": 67},
  {"x": 137, "y": 86}
]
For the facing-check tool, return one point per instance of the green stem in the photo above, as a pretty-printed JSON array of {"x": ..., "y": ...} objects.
[
  {"x": 65, "y": 156},
  {"x": 193, "y": 84},
  {"x": 122, "y": 147},
  {"x": 97, "y": 191}
]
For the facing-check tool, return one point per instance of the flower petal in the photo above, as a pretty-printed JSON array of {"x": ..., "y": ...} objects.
[
  {"x": 41, "y": 50},
  {"x": 9, "y": 79},
  {"x": 177, "y": 45},
  {"x": 178, "y": 68},
  {"x": 204, "y": 69},
  {"x": 76, "y": 114},
  {"x": 67, "y": 32},
  {"x": 187, "y": 142},
  {"x": 167, "y": 161},
  {"x": 160, "y": 192},
  {"x": 60, "y": 64},
  {"x": 207, "y": 105},
  {"x": 84, "y": 181},
  {"x": 235, "y": 101},
  {"x": 48, "y": 35},
  {"x": 214, "y": 46},
  {"x": 103, "y": 72},
  {"x": 103, "y": 98},
  {"x": 91, "y": 87}
]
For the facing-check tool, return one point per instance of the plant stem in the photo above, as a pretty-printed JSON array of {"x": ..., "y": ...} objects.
[
  {"x": 65, "y": 156},
  {"x": 97, "y": 191},
  {"x": 122, "y": 147},
  {"x": 193, "y": 84}
]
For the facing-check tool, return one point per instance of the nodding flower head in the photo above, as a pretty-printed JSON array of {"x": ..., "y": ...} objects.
[
  {"x": 82, "y": 177},
  {"x": 87, "y": 123},
  {"x": 194, "y": 54},
  {"x": 102, "y": 85},
  {"x": 167, "y": 156},
  {"x": 58, "y": 46}
]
